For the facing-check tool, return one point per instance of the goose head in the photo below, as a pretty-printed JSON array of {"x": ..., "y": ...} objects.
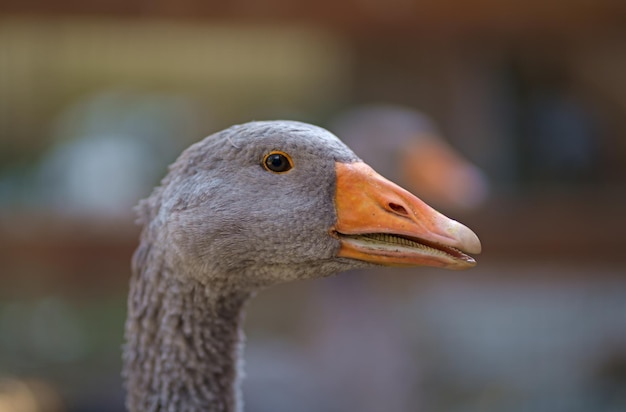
[
  {"x": 268, "y": 202},
  {"x": 406, "y": 146}
]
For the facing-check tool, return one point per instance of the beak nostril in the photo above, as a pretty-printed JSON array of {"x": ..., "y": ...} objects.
[{"x": 398, "y": 209}]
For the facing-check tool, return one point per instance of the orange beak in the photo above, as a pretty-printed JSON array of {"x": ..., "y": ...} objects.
[
  {"x": 379, "y": 222},
  {"x": 440, "y": 174}
]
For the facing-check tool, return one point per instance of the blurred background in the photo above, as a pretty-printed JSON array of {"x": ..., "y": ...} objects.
[{"x": 517, "y": 109}]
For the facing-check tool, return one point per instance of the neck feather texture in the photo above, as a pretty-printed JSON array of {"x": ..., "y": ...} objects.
[{"x": 183, "y": 341}]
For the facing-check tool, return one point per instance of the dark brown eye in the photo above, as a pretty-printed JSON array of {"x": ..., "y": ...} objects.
[{"x": 277, "y": 162}]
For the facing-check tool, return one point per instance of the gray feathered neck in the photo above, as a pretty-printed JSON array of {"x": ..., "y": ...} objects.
[
  {"x": 182, "y": 342},
  {"x": 219, "y": 227}
]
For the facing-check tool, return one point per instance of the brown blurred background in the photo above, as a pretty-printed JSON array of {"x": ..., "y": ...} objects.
[{"x": 97, "y": 97}]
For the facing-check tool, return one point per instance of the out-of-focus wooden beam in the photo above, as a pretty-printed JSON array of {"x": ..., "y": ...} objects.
[{"x": 357, "y": 16}]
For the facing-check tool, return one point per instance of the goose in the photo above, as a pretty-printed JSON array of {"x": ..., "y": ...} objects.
[
  {"x": 254, "y": 205},
  {"x": 406, "y": 146}
]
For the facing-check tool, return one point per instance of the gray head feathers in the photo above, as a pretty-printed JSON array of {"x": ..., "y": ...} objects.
[{"x": 221, "y": 217}]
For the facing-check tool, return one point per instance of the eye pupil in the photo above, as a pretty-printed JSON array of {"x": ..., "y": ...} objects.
[{"x": 277, "y": 162}]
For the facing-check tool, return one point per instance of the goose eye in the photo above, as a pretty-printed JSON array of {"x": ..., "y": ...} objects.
[{"x": 277, "y": 162}]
